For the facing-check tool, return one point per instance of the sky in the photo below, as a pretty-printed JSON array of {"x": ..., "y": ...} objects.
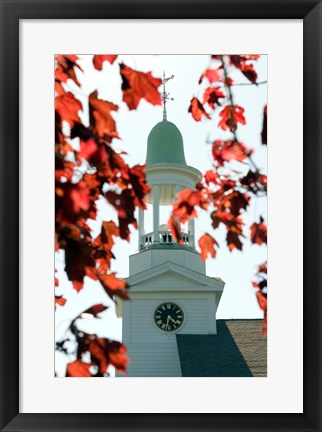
[{"x": 236, "y": 268}]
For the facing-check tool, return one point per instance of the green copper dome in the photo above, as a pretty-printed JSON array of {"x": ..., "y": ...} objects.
[{"x": 165, "y": 144}]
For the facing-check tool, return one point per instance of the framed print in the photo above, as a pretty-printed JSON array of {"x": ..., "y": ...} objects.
[{"x": 181, "y": 178}]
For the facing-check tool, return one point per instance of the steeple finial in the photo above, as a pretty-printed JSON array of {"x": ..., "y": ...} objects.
[{"x": 165, "y": 95}]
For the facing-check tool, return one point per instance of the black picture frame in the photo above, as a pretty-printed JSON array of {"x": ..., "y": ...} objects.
[{"x": 11, "y": 12}]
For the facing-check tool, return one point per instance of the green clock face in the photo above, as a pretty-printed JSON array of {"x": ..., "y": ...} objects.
[{"x": 169, "y": 317}]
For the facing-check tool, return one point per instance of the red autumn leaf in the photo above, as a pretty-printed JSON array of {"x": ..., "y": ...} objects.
[
  {"x": 262, "y": 268},
  {"x": 188, "y": 199},
  {"x": 100, "y": 116},
  {"x": 230, "y": 199},
  {"x": 65, "y": 68},
  {"x": 230, "y": 116},
  {"x": 233, "y": 241},
  {"x": 67, "y": 106},
  {"x": 113, "y": 285},
  {"x": 264, "y": 325},
  {"x": 175, "y": 229},
  {"x": 228, "y": 82},
  {"x": 234, "y": 226},
  {"x": 78, "y": 368},
  {"x": 140, "y": 187},
  {"x": 197, "y": 110},
  {"x": 98, "y": 60},
  {"x": 88, "y": 149},
  {"x": 79, "y": 262},
  {"x": 264, "y": 130},
  {"x": 104, "y": 352},
  {"x": 63, "y": 169},
  {"x": 206, "y": 244},
  {"x": 212, "y": 75},
  {"x": 211, "y": 177},
  {"x": 262, "y": 300},
  {"x": 71, "y": 199},
  {"x": 105, "y": 240},
  {"x": 249, "y": 72},
  {"x": 124, "y": 205},
  {"x": 95, "y": 310},
  {"x": 118, "y": 357},
  {"x": 255, "y": 181},
  {"x": 241, "y": 62},
  {"x": 226, "y": 151},
  {"x": 212, "y": 95},
  {"x": 258, "y": 232},
  {"x": 232, "y": 223},
  {"x": 138, "y": 85},
  {"x": 60, "y": 300}
]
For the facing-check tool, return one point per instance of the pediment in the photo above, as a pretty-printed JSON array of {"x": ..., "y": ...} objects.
[{"x": 175, "y": 277}]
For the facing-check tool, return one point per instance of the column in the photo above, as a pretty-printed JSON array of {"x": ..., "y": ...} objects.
[
  {"x": 141, "y": 227},
  {"x": 177, "y": 189},
  {"x": 191, "y": 229},
  {"x": 156, "y": 217}
]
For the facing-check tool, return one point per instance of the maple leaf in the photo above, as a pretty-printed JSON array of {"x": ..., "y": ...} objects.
[
  {"x": 140, "y": 187},
  {"x": 118, "y": 357},
  {"x": 65, "y": 68},
  {"x": 60, "y": 300},
  {"x": 206, "y": 244},
  {"x": 233, "y": 241},
  {"x": 241, "y": 63},
  {"x": 175, "y": 229},
  {"x": 105, "y": 240},
  {"x": 212, "y": 95},
  {"x": 113, "y": 285},
  {"x": 264, "y": 129},
  {"x": 138, "y": 85},
  {"x": 78, "y": 262},
  {"x": 71, "y": 199},
  {"x": 249, "y": 72},
  {"x": 261, "y": 293},
  {"x": 78, "y": 368},
  {"x": 124, "y": 205},
  {"x": 100, "y": 116},
  {"x": 225, "y": 151},
  {"x": 211, "y": 177},
  {"x": 258, "y": 232},
  {"x": 228, "y": 82},
  {"x": 105, "y": 352},
  {"x": 262, "y": 302},
  {"x": 234, "y": 226},
  {"x": 212, "y": 75},
  {"x": 98, "y": 60},
  {"x": 197, "y": 110},
  {"x": 255, "y": 181},
  {"x": 67, "y": 106},
  {"x": 188, "y": 199},
  {"x": 63, "y": 168},
  {"x": 89, "y": 150},
  {"x": 94, "y": 310},
  {"x": 230, "y": 116}
]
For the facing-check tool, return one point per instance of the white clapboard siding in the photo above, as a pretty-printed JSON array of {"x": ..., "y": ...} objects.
[
  {"x": 144, "y": 329},
  {"x": 154, "y": 360}
]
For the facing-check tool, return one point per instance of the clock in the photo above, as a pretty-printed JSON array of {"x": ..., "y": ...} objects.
[{"x": 168, "y": 317}]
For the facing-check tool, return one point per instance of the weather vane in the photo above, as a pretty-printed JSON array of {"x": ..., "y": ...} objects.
[{"x": 165, "y": 95}]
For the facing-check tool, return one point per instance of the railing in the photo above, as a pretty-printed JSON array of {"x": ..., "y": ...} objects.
[{"x": 165, "y": 237}]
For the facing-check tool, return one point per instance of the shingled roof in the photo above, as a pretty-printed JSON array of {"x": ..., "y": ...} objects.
[{"x": 237, "y": 350}]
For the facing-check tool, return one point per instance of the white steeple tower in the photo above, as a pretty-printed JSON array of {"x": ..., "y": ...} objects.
[{"x": 169, "y": 290}]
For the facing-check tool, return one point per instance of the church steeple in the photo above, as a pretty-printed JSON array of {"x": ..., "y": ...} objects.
[
  {"x": 170, "y": 292},
  {"x": 167, "y": 173}
]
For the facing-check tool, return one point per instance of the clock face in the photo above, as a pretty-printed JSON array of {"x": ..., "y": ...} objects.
[{"x": 169, "y": 317}]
